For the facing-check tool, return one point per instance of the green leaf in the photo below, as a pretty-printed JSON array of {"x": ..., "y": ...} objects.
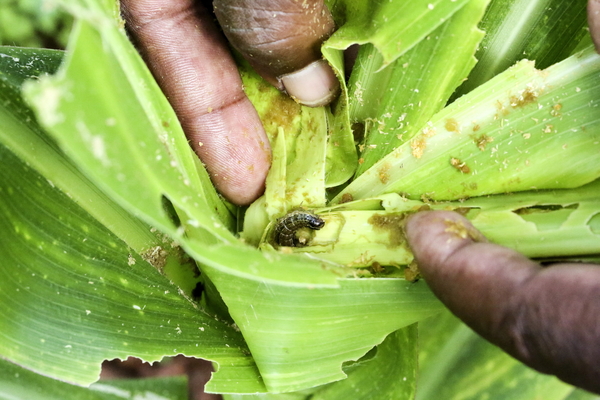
[
  {"x": 550, "y": 225},
  {"x": 128, "y": 142},
  {"x": 523, "y": 129},
  {"x": 389, "y": 374},
  {"x": 541, "y": 224},
  {"x": 300, "y": 337},
  {"x": 33, "y": 23},
  {"x": 167, "y": 387},
  {"x": 341, "y": 152},
  {"x": 19, "y": 63},
  {"x": 73, "y": 294},
  {"x": 582, "y": 395},
  {"x": 392, "y": 26},
  {"x": 546, "y": 31},
  {"x": 23, "y": 136},
  {"x": 393, "y": 104},
  {"x": 458, "y": 364},
  {"x": 86, "y": 95},
  {"x": 385, "y": 372},
  {"x": 125, "y": 160},
  {"x": 377, "y": 22},
  {"x": 19, "y": 383},
  {"x": 302, "y": 319},
  {"x": 312, "y": 148}
]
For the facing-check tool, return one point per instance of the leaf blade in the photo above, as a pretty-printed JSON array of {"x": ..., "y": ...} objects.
[
  {"x": 546, "y": 31},
  {"x": 393, "y": 27},
  {"x": 74, "y": 295},
  {"x": 458, "y": 364},
  {"x": 396, "y": 102},
  {"x": 505, "y": 113}
]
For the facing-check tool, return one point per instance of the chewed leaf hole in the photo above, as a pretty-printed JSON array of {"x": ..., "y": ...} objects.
[
  {"x": 544, "y": 208},
  {"x": 547, "y": 217},
  {"x": 369, "y": 356},
  {"x": 170, "y": 211},
  {"x": 594, "y": 223}
]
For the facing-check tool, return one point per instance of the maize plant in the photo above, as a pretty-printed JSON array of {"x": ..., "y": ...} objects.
[{"x": 116, "y": 244}]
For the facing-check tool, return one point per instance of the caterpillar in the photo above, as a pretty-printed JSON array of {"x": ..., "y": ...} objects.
[{"x": 288, "y": 225}]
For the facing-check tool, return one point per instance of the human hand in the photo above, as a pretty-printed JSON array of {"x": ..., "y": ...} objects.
[
  {"x": 548, "y": 318},
  {"x": 192, "y": 63}
]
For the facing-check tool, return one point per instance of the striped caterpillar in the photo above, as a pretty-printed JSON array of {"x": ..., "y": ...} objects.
[{"x": 288, "y": 225}]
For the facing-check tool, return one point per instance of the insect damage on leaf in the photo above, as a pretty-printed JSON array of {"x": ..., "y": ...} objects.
[
  {"x": 452, "y": 125},
  {"x": 384, "y": 175},
  {"x": 419, "y": 143},
  {"x": 418, "y": 146},
  {"x": 346, "y": 198},
  {"x": 460, "y": 165},
  {"x": 393, "y": 223},
  {"x": 412, "y": 272},
  {"x": 156, "y": 256},
  {"x": 294, "y": 229},
  {"x": 462, "y": 231},
  {"x": 525, "y": 97},
  {"x": 482, "y": 141}
]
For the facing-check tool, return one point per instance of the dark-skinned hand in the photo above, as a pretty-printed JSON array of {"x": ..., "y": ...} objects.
[
  {"x": 547, "y": 318},
  {"x": 191, "y": 61}
]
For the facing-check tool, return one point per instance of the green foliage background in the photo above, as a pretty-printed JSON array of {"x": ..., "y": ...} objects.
[
  {"x": 104, "y": 209},
  {"x": 34, "y": 23}
]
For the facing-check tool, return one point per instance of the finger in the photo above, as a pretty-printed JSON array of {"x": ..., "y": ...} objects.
[
  {"x": 593, "y": 12},
  {"x": 282, "y": 41},
  {"x": 545, "y": 317},
  {"x": 190, "y": 61}
]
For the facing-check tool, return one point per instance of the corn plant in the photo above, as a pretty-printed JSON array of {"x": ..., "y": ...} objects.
[{"x": 116, "y": 244}]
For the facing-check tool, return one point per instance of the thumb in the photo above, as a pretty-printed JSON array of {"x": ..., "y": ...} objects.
[
  {"x": 282, "y": 40},
  {"x": 545, "y": 317}
]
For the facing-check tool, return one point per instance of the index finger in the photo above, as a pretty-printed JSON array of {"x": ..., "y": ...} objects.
[{"x": 191, "y": 62}]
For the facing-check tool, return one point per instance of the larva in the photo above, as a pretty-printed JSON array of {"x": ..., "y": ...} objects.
[{"x": 288, "y": 225}]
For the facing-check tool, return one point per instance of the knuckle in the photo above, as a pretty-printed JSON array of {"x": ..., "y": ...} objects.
[{"x": 281, "y": 36}]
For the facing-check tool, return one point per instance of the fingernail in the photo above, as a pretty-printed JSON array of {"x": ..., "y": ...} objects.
[{"x": 314, "y": 85}]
